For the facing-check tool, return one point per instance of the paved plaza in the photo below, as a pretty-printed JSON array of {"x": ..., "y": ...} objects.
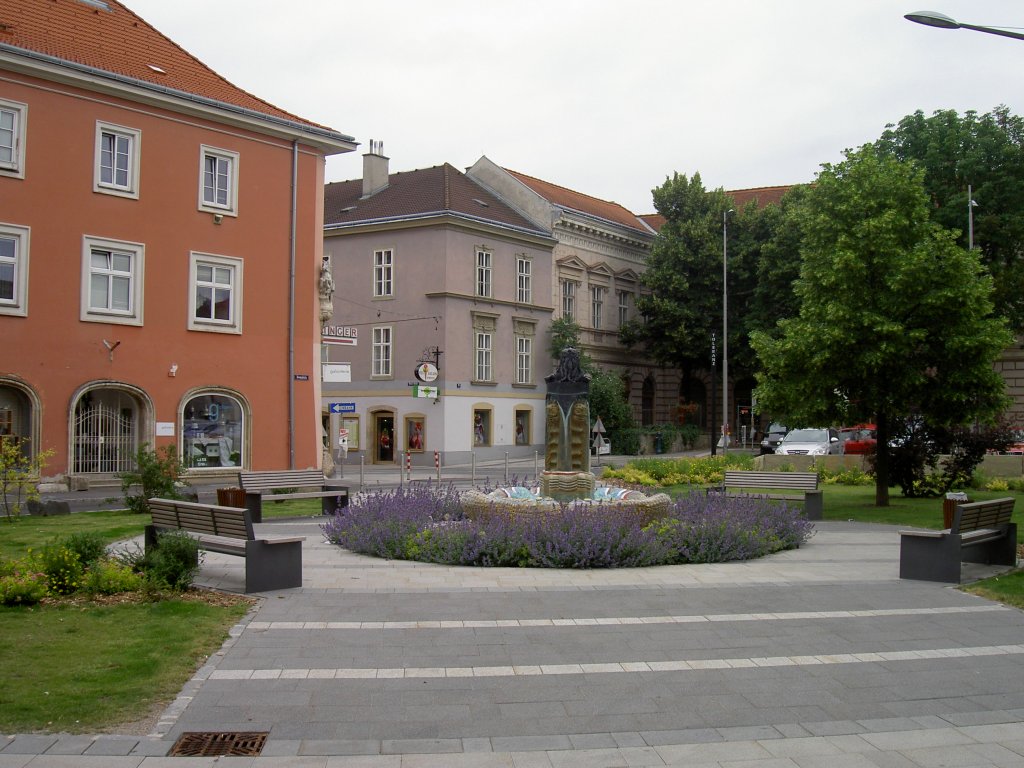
[{"x": 819, "y": 656}]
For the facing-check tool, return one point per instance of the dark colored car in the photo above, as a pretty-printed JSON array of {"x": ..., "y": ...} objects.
[
  {"x": 773, "y": 437},
  {"x": 858, "y": 440}
]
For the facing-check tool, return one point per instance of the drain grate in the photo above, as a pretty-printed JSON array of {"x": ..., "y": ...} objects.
[{"x": 219, "y": 743}]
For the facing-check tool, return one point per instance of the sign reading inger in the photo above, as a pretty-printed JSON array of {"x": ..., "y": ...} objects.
[{"x": 340, "y": 334}]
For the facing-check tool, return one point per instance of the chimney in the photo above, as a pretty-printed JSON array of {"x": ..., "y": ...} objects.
[{"x": 375, "y": 169}]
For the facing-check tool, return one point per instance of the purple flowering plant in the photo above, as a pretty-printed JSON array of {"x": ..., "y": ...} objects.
[{"x": 426, "y": 523}]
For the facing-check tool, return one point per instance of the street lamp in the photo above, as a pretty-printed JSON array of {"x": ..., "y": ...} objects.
[
  {"x": 725, "y": 332},
  {"x": 971, "y": 205},
  {"x": 942, "y": 21}
]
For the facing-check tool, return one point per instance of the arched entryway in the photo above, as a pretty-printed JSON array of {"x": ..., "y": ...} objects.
[
  {"x": 647, "y": 402},
  {"x": 693, "y": 402},
  {"x": 107, "y": 427},
  {"x": 19, "y": 415}
]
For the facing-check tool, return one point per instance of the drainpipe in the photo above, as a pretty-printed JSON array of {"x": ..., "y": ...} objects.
[{"x": 291, "y": 306}]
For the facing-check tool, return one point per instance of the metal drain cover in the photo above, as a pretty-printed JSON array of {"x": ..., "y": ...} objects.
[{"x": 219, "y": 743}]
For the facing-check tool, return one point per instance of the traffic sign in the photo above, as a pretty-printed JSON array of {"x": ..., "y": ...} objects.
[{"x": 341, "y": 407}]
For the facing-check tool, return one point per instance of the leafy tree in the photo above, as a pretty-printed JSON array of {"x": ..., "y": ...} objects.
[
  {"x": 19, "y": 475},
  {"x": 894, "y": 315},
  {"x": 684, "y": 276},
  {"x": 986, "y": 152}
]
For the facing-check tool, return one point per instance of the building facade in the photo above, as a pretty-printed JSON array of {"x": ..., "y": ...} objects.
[
  {"x": 601, "y": 253},
  {"x": 441, "y": 319},
  {"x": 160, "y": 245}
]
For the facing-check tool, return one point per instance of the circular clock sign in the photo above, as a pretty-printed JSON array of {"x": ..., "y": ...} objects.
[{"x": 426, "y": 372}]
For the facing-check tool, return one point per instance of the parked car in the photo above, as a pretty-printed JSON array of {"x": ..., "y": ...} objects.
[
  {"x": 604, "y": 447},
  {"x": 810, "y": 442},
  {"x": 858, "y": 440},
  {"x": 773, "y": 437}
]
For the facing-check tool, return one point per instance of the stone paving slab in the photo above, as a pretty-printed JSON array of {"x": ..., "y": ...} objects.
[{"x": 818, "y": 656}]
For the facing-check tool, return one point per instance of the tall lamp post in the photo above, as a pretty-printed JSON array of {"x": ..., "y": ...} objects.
[
  {"x": 725, "y": 332},
  {"x": 942, "y": 21},
  {"x": 971, "y": 205}
]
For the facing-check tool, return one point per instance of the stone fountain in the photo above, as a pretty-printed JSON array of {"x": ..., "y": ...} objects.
[{"x": 566, "y": 477}]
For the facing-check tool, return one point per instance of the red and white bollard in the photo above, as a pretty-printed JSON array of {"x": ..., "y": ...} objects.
[
  {"x": 408, "y": 465},
  {"x": 437, "y": 465}
]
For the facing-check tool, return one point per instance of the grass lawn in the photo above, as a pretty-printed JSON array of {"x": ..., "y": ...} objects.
[
  {"x": 90, "y": 666},
  {"x": 19, "y": 534}
]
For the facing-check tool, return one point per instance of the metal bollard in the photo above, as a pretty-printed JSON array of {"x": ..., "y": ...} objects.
[
  {"x": 472, "y": 464},
  {"x": 362, "y": 466},
  {"x": 506, "y": 467},
  {"x": 536, "y": 466}
]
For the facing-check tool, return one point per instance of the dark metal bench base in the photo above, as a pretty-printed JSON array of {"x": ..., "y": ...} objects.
[
  {"x": 937, "y": 555},
  {"x": 270, "y": 563}
]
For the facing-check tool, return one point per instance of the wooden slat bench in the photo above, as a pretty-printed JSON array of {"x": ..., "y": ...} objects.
[
  {"x": 270, "y": 563},
  {"x": 982, "y": 532},
  {"x": 259, "y": 484},
  {"x": 798, "y": 486}
]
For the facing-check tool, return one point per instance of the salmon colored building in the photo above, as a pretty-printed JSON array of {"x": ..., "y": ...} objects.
[{"x": 160, "y": 252}]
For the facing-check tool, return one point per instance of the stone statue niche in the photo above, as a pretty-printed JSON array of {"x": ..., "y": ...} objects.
[{"x": 567, "y": 473}]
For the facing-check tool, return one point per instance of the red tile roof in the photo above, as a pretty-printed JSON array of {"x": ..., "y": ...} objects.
[
  {"x": 442, "y": 189},
  {"x": 105, "y": 35},
  {"x": 577, "y": 201},
  {"x": 762, "y": 195}
]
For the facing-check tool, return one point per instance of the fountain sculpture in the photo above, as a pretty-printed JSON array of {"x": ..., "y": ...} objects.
[{"x": 566, "y": 477}]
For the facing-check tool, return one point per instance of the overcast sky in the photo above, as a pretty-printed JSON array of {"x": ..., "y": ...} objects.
[{"x": 607, "y": 97}]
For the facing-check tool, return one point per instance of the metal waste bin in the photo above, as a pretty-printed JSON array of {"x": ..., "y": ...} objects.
[
  {"x": 231, "y": 497},
  {"x": 949, "y": 507}
]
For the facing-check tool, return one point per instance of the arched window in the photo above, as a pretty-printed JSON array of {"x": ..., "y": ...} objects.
[{"x": 213, "y": 431}]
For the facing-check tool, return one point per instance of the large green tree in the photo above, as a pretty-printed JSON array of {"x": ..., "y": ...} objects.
[
  {"x": 894, "y": 315},
  {"x": 683, "y": 303},
  {"x": 985, "y": 152}
]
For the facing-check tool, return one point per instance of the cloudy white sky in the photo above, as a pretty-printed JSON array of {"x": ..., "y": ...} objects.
[{"x": 607, "y": 97}]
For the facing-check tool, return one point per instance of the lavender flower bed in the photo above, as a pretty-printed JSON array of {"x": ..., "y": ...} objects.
[{"x": 426, "y": 524}]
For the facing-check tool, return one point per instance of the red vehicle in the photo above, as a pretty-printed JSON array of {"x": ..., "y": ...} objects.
[{"x": 858, "y": 440}]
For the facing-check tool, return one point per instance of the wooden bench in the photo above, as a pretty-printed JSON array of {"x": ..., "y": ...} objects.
[
  {"x": 981, "y": 533},
  {"x": 800, "y": 486},
  {"x": 259, "y": 484},
  {"x": 270, "y": 563}
]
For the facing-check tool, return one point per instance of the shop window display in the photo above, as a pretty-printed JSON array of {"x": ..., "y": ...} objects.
[{"x": 212, "y": 432}]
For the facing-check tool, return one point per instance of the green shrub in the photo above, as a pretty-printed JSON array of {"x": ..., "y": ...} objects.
[
  {"x": 110, "y": 577},
  {"x": 172, "y": 563},
  {"x": 62, "y": 568},
  {"x": 88, "y": 546},
  {"x": 22, "y": 587},
  {"x": 157, "y": 474},
  {"x": 848, "y": 476}
]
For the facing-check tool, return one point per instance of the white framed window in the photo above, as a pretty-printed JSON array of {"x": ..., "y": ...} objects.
[
  {"x": 112, "y": 280},
  {"x": 13, "y": 127},
  {"x": 218, "y": 180},
  {"x": 624, "y": 302},
  {"x": 483, "y": 273},
  {"x": 14, "y": 251},
  {"x": 215, "y": 293},
  {"x": 596, "y": 306},
  {"x": 568, "y": 299},
  {"x": 118, "y": 150},
  {"x": 524, "y": 280},
  {"x": 484, "y": 355},
  {"x": 524, "y": 360},
  {"x": 382, "y": 351},
  {"x": 384, "y": 273}
]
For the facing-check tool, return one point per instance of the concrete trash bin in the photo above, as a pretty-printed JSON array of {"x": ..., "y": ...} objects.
[{"x": 231, "y": 497}]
